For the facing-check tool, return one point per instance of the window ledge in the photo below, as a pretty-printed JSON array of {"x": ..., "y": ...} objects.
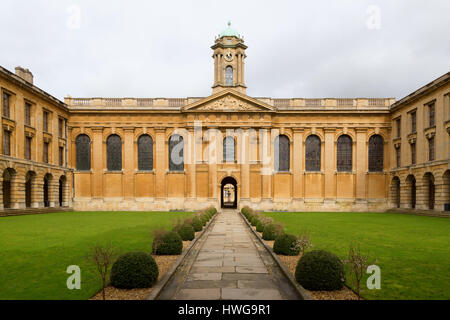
[
  {"x": 145, "y": 171},
  {"x": 282, "y": 172},
  {"x": 113, "y": 171},
  {"x": 175, "y": 172}
]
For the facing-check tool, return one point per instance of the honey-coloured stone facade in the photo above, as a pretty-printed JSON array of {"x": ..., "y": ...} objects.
[{"x": 254, "y": 165}]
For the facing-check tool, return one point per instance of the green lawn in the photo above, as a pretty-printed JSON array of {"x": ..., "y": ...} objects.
[
  {"x": 35, "y": 250},
  {"x": 413, "y": 252}
]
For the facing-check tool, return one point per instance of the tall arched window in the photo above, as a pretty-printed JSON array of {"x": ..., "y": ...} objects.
[
  {"x": 228, "y": 149},
  {"x": 145, "y": 152},
  {"x": 114, "y": 153},
  {"x": 344, "y": 153},
  {"x": 229, "y": 76},
  {"x": 312, "y": 153},
  {"x": 282, "y": 153},
  {"x": 376, "y": 146},
  {"x": 176, "y": 153},
  {"x": 83, "y": 152}
]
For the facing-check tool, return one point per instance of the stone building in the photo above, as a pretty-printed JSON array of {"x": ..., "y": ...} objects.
[{"x": 227, "y": 149}]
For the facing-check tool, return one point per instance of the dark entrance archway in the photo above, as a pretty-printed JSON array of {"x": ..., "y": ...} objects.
[
  {"x": 228, "y": 193},
  {"x": 428, "y": 186},
  {"x": 47, "y": 179},
  {"x": 29, "y": 179},
  {"x": 62, "y": 189},
  {"x": 8, "y": 176},
  {"x": 411, "y": 191}
]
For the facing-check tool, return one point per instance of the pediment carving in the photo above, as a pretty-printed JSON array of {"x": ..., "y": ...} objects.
[{"x": 229, "y": 103}]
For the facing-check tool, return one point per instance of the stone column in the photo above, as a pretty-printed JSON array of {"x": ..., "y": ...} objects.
[
  {"x": 405, "y": 194},
  {"x": 190, "y": 164},
  {"x": 422, "y": 189},
  {"x": 266, "y": 165},
  {"x": 439, "y": 195},
  {"x": 53, "y": 192},
  {"x": 18, "y": 191},
  {"x": 1, "y": 191},
  {"x": 213, "y": 158},
  {"x": 244, "y": 157},
  {"x": 97, "y": 162},
  {"x": 361, "y": 164},
  {"x": 329, "y": 166},
  {"x": 161, "y": 163},
  {"x": 128, "y": 163},
  {"x": 297, "y": 164},
  {"x": 37, "y": 192}
]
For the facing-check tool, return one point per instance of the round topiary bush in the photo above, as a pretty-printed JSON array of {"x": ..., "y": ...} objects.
[
  {"x": 134, "y": 270},
  {"x": 212, "y": 211},
  {"x": 186, "y": 232},
  {"x": 169, "y": 243},
  {"x": 197, "y": 224},
  {"x": 260, "y": 226},
  {"x": 286, "y": 244},
  {"x": 320, "y": 270},
  {"x": 204, "y": 218},
  {"x": 254, "y": 220},
  {"x": 272, "y": 231}
]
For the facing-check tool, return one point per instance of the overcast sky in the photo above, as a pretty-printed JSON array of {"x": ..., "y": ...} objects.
[{"x": 131, "y": 48}]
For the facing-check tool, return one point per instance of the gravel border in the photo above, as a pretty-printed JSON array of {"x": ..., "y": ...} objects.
[
  {"x": 298, "y": 288},
  {"x": 164, "y": 280}
]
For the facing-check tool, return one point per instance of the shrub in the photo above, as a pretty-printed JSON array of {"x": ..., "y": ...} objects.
[
  {"x": 254, "y": 220},
  {"x": 134, "y": 270},
  {"x": 211, "y": 211},
  {"x": 286, "y": 244},
  {"x": 204, "y": 219},
  {"x": 186, "y": 232},
  {"x": 262, "y": 223},
  {"x": 167, "y": 243},
  {"x": 245, "y": 211},
  {"x": 197, "y": 224},
  {"x": 271, "y": 231},
  {"x": 320, "y": 270}
]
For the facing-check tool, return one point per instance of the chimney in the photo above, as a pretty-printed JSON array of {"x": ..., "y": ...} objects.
[{"x": 25, "y": 74}]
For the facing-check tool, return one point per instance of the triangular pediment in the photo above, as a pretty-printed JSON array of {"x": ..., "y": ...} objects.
[{"x": 228, "y": 101}]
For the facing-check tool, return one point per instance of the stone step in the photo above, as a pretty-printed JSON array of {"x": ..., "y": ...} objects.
[{"x": 21, "y": 212}]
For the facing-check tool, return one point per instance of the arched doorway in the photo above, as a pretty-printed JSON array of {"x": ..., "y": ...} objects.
[
  {"x": 428, "y": 189},
  {"x": 29, "y": 179},
  {"x": 411, "y": 192},
  {"x": 446, "y": 190},
  {"x": 62, "y": 186},
  {"x": 395, "y": 192},
  {"x": 47, "y": 180},
  {"x": 228, "y": 193},
  {"x": 8, "y": 176}
]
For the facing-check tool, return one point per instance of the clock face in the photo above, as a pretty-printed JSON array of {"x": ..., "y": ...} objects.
[{"x": 229, "y": 56}]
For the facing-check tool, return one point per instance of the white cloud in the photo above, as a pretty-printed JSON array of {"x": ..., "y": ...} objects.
[{"x": 296, "y": 49}]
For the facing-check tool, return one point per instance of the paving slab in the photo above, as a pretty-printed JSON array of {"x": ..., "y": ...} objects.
[{"x": 228, "y": 263}]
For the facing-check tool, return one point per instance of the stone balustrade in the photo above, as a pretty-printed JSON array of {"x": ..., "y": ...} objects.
[{"x": 293, "y": 103}]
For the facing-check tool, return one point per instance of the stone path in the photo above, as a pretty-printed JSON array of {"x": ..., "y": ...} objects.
[{"x": 230, "y": 263}]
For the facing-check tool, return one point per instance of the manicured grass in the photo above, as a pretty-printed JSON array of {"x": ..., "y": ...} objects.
[
  {"x": 35, "y": 250},
  {"x": 413, "y": 252}
]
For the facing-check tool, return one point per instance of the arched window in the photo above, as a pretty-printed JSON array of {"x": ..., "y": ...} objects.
[
  {"x": 282, "y": 153},
  {"x": 176, "y": 153},
  {"x": 344, "y": 153},
  {"x": 229, "y": 76},
  {"x": 228, "y": 149},
  {"x": 114, "y": 153},
  {"x": 145, "y": 152},
  {"x": 376, "y": 146},
  {"x": 312, "y": 153},
  {"x": 83, "y": 152}
]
